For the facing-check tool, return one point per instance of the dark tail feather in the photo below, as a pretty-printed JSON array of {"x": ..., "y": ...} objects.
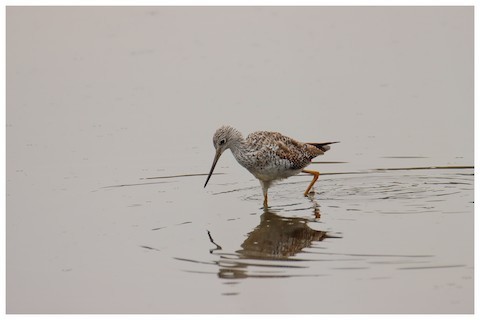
[{"x": 323, "y": 146}]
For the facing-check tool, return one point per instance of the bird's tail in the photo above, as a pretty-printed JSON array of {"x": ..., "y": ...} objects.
[{"x": 324, "y": 146}]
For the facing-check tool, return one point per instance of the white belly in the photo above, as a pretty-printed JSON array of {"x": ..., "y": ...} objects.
[{"x": 273, "y": 173}]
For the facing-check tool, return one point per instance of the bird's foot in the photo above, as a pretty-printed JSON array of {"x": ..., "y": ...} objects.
[
  {"x": 310, "y": 193},
  {"x": 265, "y": 206}
]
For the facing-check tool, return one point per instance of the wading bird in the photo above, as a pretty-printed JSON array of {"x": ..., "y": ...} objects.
[{"x": 269, "y": 156}]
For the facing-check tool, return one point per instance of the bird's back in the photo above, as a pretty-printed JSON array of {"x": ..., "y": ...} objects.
[{"x": 275, "y": 149}]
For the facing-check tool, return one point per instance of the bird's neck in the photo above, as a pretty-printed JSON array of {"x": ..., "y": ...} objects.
[{"x": 240, "y": 150}]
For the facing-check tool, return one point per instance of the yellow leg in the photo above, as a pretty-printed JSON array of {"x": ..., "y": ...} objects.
[
  {"x": 265, "y": 185},
  {"x": 315, "y": 177}
]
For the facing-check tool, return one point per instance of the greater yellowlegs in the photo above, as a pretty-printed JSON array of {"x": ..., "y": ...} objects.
[{"x": 269, "y": 156}]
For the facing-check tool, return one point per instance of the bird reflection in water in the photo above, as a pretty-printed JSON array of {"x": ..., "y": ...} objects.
[
  {"x": 279, "y": 237},
  {"x": 271, "y": 247}
]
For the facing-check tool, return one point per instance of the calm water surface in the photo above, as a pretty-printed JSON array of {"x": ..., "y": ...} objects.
[{"x": 110, "y": 116}]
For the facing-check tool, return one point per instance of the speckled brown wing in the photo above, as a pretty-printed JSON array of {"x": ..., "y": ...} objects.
[
  {"x": 299, "y": 154},
  {"x": 274, "y": 145}
]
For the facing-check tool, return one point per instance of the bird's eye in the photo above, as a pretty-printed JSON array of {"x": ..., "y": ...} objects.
[{"x": 222, "y": 142}]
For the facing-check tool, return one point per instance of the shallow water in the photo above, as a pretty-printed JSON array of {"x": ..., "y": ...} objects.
[
  {"x": 156, "y": 245},
  {"x": 395, "y": 232},
  {"x": 109, "y": 127}
]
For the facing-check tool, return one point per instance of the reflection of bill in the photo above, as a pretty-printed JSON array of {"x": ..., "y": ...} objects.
[{"x": 279, "y": 237}]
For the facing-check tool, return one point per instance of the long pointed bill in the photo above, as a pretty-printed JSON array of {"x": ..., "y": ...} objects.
[{"x": 217, "y": 156}]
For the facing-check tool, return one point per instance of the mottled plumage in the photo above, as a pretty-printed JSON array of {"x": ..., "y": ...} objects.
[{"x": 269, "y": 156}]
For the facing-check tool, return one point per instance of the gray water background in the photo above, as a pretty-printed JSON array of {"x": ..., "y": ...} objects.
[{"x": 110, "y": 116}]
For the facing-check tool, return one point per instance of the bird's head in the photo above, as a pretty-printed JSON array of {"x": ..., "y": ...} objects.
[{"x": 224, "y": 138}]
